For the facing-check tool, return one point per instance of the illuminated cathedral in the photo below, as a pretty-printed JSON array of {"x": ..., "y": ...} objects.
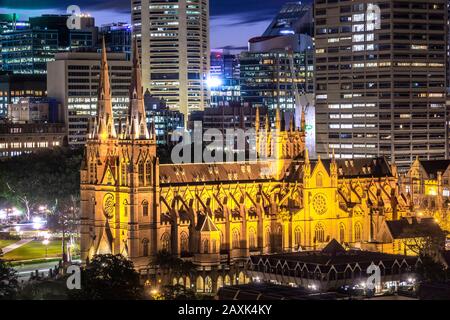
[{"x": 219, "y": 214}]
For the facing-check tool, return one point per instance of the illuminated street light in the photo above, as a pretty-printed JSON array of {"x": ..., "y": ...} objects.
[
  {"x": 214, "y": 82},
  {"x": 45, "y": 243}
]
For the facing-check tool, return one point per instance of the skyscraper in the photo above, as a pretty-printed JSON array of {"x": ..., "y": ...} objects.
[
  {"x": 269, "y": 73},
  {"x": 173, "y": 38},
  {"x": 293, "y": 18},
  {"x": 73, "y": 80},
  {"x": 381, "y": 79},
  {"x": 27, "y": 50},
  {"x": 117, "y": 37}
]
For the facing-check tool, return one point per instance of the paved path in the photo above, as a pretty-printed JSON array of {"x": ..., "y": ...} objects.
[{"x": 16, "y": 245}]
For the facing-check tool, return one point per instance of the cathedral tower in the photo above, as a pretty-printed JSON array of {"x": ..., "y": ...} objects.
[{"x": 119, "y": 177}]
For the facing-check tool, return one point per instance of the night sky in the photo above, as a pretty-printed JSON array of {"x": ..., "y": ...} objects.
[{"x": 233, "y": 22}]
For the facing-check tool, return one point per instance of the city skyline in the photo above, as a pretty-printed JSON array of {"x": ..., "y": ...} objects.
[{"x": 233, "y": 23}]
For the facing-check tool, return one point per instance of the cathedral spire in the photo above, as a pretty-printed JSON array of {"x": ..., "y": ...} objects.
[
  {"x": 137, "y": 128},
  {"x": 257, "y": 123},
  {"x": 306, "y": 156},
  {"x": 291, "y": 122},
  {"x": 303, "y": 121},
  {"x": 105, "y": 127},
  {"x": 278, "y": 120}
]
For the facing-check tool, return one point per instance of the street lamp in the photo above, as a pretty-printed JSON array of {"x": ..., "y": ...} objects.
[{"x": 45, "y": 243}]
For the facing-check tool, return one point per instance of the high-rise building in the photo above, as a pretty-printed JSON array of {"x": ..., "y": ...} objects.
[
  {"x": 9, "y": 22},
  {"x": 381, "y": 79},
  {"x": 224, "y": 65},
  {"x": 293, "y": 18},
  {"x": 33, "y": 110},
  {"x": 223, "y": 79},
  {"x": 73, "y": 80},
  {"x": 27, "y": 50},
  {"x": 163, "y": 120},
  {"x": 117, "y": 37},
  {"x": 33, "y": 124},
  {"x": 13, "y": 87},
  {"x": 174, "y": 43},
  {"x": 266, "y": 74}
]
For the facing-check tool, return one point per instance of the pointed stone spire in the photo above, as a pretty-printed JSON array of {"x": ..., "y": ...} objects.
[
  {"x": 303, "y": 121},
  {"x": 278, "y": 120},
  {"x": 120, "y": 127},
  {"x": 291, "y": 123},
  {"x": 306, "y": 156},
  {"x": 306, "y": 169},
  {"x": 137, "y": 128},
  {"x": 268, "y": 136},
  {"x": 105, "y": 127},
  {"x": 257, "y": 123}
]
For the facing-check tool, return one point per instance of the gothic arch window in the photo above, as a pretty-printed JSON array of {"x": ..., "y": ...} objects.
[
  {"x": 297, "y": 237},
  {"x": 208, "y": 284},
  {"x": 219, "y": 282},
  {"x": 148, "y": 173},
  {"x": 184, "y": 242},
  {"x": 252, "y": 238},
  {"x": 236, "y": 239},
  {"x": 319, "y": 233},
  {"x": 200, "y": 284},
  {"x": 145, "y": 208},
  {"x": 145, "y": 247},
  {"x": 214, "y": 246},
  {"x": 165, "y": 242},
  {"x": 205, "y": 246},
  {"x": 319, "y": 180},
  {"x": 341, "y": 233},
  {"x": 141, "y": 173},
  {"x": 358, "y": 232}
]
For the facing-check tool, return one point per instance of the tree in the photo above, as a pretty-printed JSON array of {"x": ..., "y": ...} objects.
[
  {"x": 109, "y": 277},
  {"x": 64, "y": 218},
  {"x": 167, "y": 261},
  {"x": 8, "y": 281},
  {"x": 42, "y": 178},
  {"x": 177, "y": 292},
  {"x": 432, "y": 270},
  {"x": 421, "y": 243}
]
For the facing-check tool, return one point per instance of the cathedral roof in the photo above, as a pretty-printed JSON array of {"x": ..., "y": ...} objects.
[
  {"x": 324, "y": 261},
  {"x": 214, "y": 173},
  {"x": 413, "y": 227},
  {"x": 432, "y": 167},
  {"x": 358, "y": 168},
  {"x": 207, "y": 225},
  {"x": 333, "y": 248},
  {"x": 291, "y": 171}
]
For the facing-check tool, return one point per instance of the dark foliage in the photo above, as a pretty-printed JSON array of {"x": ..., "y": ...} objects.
[
  {"x": 109, "y": 277},
  {"x": 42, "y": 178},
  {"x": 8, "y": 281}
]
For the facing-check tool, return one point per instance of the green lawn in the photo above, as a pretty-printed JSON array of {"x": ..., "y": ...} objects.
[
  {"x": 35, "y": 250},
  {"x": 5, "y": 243}
]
